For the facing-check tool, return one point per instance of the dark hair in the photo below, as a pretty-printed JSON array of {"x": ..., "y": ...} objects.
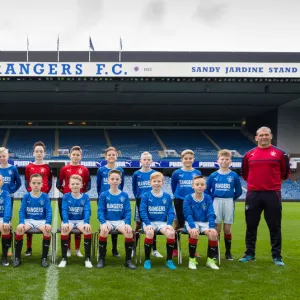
[
  {"x": 36, "y": 175},
  {"x": 39, "y": 143}
]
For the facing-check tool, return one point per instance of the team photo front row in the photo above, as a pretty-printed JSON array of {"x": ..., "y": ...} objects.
[{"x": 200, "y": 207}]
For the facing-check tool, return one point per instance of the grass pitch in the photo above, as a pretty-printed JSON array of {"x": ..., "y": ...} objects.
[{"x": 253, "y": 280}]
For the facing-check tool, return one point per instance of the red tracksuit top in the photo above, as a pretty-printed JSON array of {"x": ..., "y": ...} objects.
[{"x": 264, "y": 169}]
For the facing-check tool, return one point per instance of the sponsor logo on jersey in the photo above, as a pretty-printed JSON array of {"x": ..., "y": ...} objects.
[
  {"x": 34, "y": 209},
  {"x": 75, "y": 209},
  {"x": 156, "y": 208},
  {"x": 222, "y": 186},
  {"x": 118, "y": 206},
  {"x": 144, "y": 183}
]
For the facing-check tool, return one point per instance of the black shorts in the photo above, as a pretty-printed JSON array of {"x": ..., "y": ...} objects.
[
  {"x": 178, "y": 204},
  {"x": 137, "y": 215}
]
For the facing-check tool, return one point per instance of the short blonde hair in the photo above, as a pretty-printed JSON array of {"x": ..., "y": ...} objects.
[
  {"x": 146, "y": 154},
  {"x": 187, "y": 151},
  {"x": 75, "y": 176},
  {"x": 224, "y": 152},
  {"x": 156, "y": 175},
  {"x": 3, "y": 149},
  {"x": 76, "y": 148},
  {"x": 199, "y": 177}
]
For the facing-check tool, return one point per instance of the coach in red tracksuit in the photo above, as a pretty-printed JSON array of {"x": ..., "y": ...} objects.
[{"x": 264, "y": 168}]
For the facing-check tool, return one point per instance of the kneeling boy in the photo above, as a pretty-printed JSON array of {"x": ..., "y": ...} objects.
[
  {"x": 157, "y": 214},
  {"x": 114, "y": 213},
  {"x": 76, "y": 213},
  {"x": 36, "y": 213},
  {"x": 200, "y": 218}
]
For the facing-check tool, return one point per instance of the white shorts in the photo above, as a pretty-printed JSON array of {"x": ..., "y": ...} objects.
[
  {"x": 157, "y": 226},
  {"x": 201, "y": 226},
  {"x": 35, "y": 224},
  {"x": 115, "y": 224},
  {"x": 224, "y": 210},
  {"x": 76, "y": 223}
]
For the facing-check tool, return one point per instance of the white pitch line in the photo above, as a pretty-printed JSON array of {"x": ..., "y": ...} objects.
[{"x": 51, "y": 289}]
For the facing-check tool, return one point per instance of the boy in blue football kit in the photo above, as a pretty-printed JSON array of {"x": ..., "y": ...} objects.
[
  {"x": 181, "y": 184},
  {"x": 157, "y": 214},
  {"x": 10, "y": 174},
  {"x": 200, "y": 218},
  {"x": 76, "y": 213},
  {"x": 111, "y": 155},
  {"x": 224, "y": 187},
  {"x": 114, "y": 213},
  {"x": 35, "y": 212},
  {"x": 5, "y": 216},
  {"x": 141, "y": 185}
]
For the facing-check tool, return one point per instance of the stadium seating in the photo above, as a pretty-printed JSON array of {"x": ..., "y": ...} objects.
[
  {"x": 231, "y": 139},
  {"x": 91, "y": 141},
  {"x": 134, "y": 142},
  {"x": 2, "y": 135},
  {"x": 20, "y": 141},
  {"x": 180, "y": 140}
]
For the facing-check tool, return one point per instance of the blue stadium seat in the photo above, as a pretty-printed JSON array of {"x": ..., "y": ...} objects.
[
  {"x": 20, "y": 141},
  {"x": 133, "y": 143}
]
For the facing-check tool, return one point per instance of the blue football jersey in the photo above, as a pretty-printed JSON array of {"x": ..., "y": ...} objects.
[
  {"x": 5, "y": 206},
  {"x": 225, "y": 185},
  {"x": 199, "y": 211},
  {"x": 141, "y": 183},
  {"x": 76, "y": 208},
  {"x": 157, "y": 208},
  {"x": 181, "y": 182},
  {"x": 36, "y": 208},
  {"x": 114, "y": 207},
  {"x": 102, "y": 179},
  {"x": 11, "y": 178}
]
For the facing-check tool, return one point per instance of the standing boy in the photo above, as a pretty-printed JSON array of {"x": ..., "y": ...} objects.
[
  {"x": 224, "y": 187},
  {"x": 181, "y": 184},
  {"x": 141, "y": 185}
]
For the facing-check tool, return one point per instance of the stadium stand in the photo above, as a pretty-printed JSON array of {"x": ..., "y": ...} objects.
[
  {"x": 231, "y": 139},
  {"x": 91, "y": 141},
  {"x": 20, "y": 141},
  {"x": 180, "y": 140},
  {"x": 132, "y": 143},
  {"x": 2, "y": 135}
]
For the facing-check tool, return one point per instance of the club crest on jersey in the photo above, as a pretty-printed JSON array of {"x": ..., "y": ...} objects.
[
  {"x": 42, "y": 202},
  {"x": 164, "y": 201},
  {"x": 122, "y": 199},
  {"x": 230, "y": 179},
  {"x": 42, "y": 170},
  {"x": 204, "y": 206},
  {"x": 273, "y": 153},
  {"x": 82, "y": 202},
  {"x": 80, "y": 171},
  {"x": 10, "y": 172}
]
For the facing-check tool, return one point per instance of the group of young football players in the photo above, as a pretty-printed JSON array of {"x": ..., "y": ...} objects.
[{"x": 200, "y": 206}]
